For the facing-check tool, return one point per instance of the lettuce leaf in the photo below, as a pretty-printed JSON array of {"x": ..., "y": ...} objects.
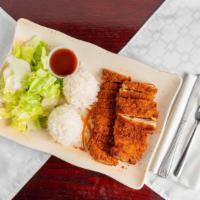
[
  {"x": 34, "y": 51},
  {"x": 40, "y": 91},
  {"x": 42, "y": 82},
  {"x": 16, "y": 51},
  {"x": 28, "y": 49},
  {"x": 27, "y": 111}
]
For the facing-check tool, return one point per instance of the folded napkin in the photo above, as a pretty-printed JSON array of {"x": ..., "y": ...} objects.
[
  {"x": 17, "y": 163},
  {"x": 168, "y": 41}
]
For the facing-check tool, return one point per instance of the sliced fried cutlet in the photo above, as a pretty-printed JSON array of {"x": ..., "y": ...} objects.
[
  {"x": 146, "y": 88},
  {"x": 110, "y": 86},
  {"x": 99, "y": 147},
  {"x": 102, "y": 129},
  {"x": 101, "y": 117},
  {"x": 104, "y": 120},
  {"x": 112, "y": 76},
  {"x": 136, "y": 124},
  {"x": 106, "y": 104},
  {"x": 130, "y": 139},
  {"x": 135, "y": 102},
  {"x": 135, "y": 94},
  {"x": 130, "y": 151},
  {"x": 100, "y": 155},
  {"x": 107, "y": 94},
  {"x": 137, "y": 108},
  {"x": 104, "y": 112},
  {"x": 101, "y": 139},
  {"x": 138, "y": 90}
]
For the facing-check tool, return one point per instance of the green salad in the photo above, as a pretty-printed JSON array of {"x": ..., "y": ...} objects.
[{"x": 28, "y": 90}]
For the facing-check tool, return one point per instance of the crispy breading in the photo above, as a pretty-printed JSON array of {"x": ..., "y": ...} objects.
[
  {"x": 107, "y": 94},
  {"x": 139, "y": 112},
  {"x": 112, "y": 76},
  {"x": 123, "y": 138},
  {"x": 130, "y": 151},
  {"x": 104, "y": 112},
  {"x": 106, "y": 104},
  {"x": 130, "y": 139},
  {"x": 146, "y": 125},
  {"x": 110, "y": 86},
  {"x": 99, "y": 147},
  {"x": 134, "y": 124},
  {"x": 103, "y": 118},
  {"x": 140, "y": 87},
  {"x": 135, "y": 95},
  {"x": 102, "y": 129},
  {"x": 137, "y": 108},
  {"x": 136, "y": 102}
]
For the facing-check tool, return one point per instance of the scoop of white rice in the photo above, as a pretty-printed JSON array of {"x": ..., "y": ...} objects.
[
  {"x": 80, "y": 89},
  {"x": 65, "y": 125}
]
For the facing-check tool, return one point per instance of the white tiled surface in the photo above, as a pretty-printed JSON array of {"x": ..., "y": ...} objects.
[{"x": 170, "y": 39}]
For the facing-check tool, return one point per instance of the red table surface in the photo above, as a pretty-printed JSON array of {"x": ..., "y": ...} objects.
[{"x": 109, "y": 24}]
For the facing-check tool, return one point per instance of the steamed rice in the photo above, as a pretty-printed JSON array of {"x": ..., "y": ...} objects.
[
  {"x": 65, "y": 125},
  {"x": 80, "y": 89}
]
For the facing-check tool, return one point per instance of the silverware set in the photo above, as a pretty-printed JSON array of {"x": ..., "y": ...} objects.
[{"x": 166, "y": 165}]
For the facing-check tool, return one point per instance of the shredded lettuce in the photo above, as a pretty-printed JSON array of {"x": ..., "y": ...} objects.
[
  {"x": 28, "y": 110},
  {"x": 40, "y": 92},
  {"x": 42, "y": 82},
  {"x": 28, "y": 49},
  {"x": 33, "y": 51}
]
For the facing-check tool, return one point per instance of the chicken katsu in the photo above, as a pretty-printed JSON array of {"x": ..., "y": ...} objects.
[
  {"x": 122, "y": 118},
  {"x": 113, "y": 77},
  {"x": 137, "y": 108},
  {"x": 145, "y": 88},
  {"x": 110, "y": 86},
  {"x": 130, "y": 139},
  {"x": 138, "y": 90},
  {"x": 103, "y": 118},
  {"x": 136, "y": 118},
  {"x": 135, "y": 94}
]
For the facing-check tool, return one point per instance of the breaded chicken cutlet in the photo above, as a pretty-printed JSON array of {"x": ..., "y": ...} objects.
[
  {"x": 138, "y": 90},
  {"x": 137, "y": 108},
  {"x": 136, "y": 118},
  {"x": 113, "y": 77},
  {"x": 110, "y": 86},
  {"x": 122, "y": 118},
  {"x": 103, "y": 118},
  {"x": 131, "y": 139},
  {"x": 146, "y": 88}
]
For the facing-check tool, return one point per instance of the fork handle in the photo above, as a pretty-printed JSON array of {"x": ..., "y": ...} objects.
[{"x": 181, "y": 162}]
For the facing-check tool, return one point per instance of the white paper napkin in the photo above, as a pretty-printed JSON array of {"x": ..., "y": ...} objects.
[
  {"x": 174, "y": 120},
  {"x": 170, "y": 40},
  {"x": 17, "y": 163}
]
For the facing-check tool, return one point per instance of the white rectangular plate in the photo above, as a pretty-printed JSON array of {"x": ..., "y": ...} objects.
[{"x": 94, "y": 59}]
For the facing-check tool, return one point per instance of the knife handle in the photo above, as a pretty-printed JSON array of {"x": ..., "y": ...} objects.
[{"x": 181, "y": 162}]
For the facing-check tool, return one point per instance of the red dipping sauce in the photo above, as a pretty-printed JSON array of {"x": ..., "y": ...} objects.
[{"x": 63, "y": 62}]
